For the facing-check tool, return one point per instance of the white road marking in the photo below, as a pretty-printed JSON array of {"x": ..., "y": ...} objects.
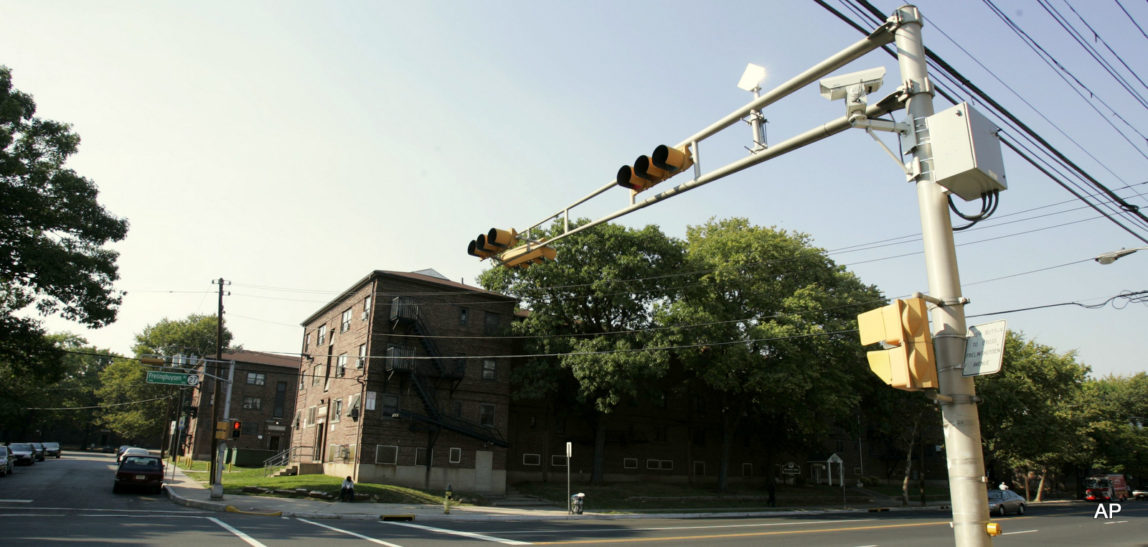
[
  {"x": 15, "y": 501},
  {"x": 1116, "y": 522},
  {"x": 458, "y": 533},
  {"x": 250, "y": 540},
  {"x": 349, "y": 533},
  {"x": 1019, "y": 532}
]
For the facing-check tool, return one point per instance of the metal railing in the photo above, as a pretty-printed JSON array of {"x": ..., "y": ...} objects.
[{"x": 282, "y": 459}]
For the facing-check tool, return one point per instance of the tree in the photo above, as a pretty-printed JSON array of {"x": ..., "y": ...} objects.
[
  {"x": 775, "y": 332},
  {"x": 1029, "y": 410},
  {"x": 135, "y": 409},
  {"x": 52, "y": 231},
  {"x": 590, "y": 308},
  {"x": 1113, "y": 412},
  {"x": 194, "y": 335}
]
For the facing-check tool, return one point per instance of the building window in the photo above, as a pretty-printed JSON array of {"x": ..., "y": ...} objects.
[
  {"x": 488, "y": 370},
  {"x": 463, "y": 316},
  {"x": 256, "y": 378},
  {"x": 310, "y": 416},
  {"x": 322, "y": 334},
  {"x": 456, "y": 409},
  {"x": 298, "y": 418},
  {"x": 699, "y": 468},
  {"x": 307, "y": 343},
  {"x": 366, "y": 306},
  {"x": 249, "y": 427},
  {"x": 362, "y": 356},
  {"x": 747, "y": 469},
  {"x": 390, "y": 403},
  {"x": 629, "y": 463},
  {"x": 316, "y": 373},
  {"x": 387, "y": 455},
  {"x": 338, "y": 410},
  {"x": 661, "y": 433},
  {"x": 421, "y": 456},
  {"x": 354, "y": 407},
  {"x": 532, "y": 459},
  {"x": 662, "y": 465},
  {"x": 252, "y": 403},
  {"x": 345, "y": 324},
  {"x": 557, "y": 460},
  {"x": 280, "y": 399},
  {"x": 490, "y": 324},
  {"x": 341, "y": 367},
  {"x": 486, "y": 415},
  {"x": 455, "y": 455}
]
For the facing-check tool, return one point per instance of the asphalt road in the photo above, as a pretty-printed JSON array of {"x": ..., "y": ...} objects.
[{"x": 70, "y": 501}]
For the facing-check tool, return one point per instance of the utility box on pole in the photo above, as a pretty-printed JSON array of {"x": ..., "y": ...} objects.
[{"x": 966, "y": 152}]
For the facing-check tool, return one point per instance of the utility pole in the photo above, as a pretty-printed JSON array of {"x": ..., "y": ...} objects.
[
  {"x": 216, "y": 395},
  {"x": 956, "y": 394}
]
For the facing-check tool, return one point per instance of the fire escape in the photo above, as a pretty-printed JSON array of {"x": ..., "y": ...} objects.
[{"x": 426, "y": 375}]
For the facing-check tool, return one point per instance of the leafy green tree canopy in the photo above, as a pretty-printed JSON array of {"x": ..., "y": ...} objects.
[
  {"x": 52, "y": 229},
  {"x": 194, "y": 335}
]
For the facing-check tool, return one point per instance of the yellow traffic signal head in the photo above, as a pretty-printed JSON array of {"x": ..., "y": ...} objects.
[
  {"x": 527, "y": 255},
  {"x": 909, "y": 364},
  {"x": 647, "y": 171},
  {"x": 491, "y": 243}
]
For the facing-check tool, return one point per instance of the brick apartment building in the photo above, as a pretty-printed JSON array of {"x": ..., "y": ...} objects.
[
  {"x": 262, "y": 398},
  {"x": 404, "y": 381}
]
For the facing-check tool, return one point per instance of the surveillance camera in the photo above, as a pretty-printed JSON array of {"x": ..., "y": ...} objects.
[{"x": 838, "y": 87}]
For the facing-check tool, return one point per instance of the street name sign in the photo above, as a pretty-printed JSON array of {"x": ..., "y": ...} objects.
[
  {"x": 984, "y": 348},
  {"x": 172, "y": 378}
]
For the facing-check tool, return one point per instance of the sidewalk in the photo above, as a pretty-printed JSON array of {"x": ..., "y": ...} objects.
[{"x": 185, "y": 491}]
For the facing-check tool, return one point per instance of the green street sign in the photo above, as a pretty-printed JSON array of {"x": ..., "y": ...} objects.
[{"x": 172, "y": 378}]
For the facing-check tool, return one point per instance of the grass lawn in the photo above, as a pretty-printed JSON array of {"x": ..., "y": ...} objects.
[{"x": 239, "y": 477}]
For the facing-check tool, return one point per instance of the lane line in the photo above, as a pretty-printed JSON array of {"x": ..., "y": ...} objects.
[
  {"x": 15, "y": 501},
  {"x": 349, "y": 533},
  {"x": 745, "y": 534},
  {"x": 1019, "y": 532},
  {"x": 458, "y": 533},
  {"x": 250, "y": 540}
]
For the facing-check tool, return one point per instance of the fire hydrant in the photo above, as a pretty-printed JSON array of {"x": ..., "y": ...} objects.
[{"x": 446, "y": 501}]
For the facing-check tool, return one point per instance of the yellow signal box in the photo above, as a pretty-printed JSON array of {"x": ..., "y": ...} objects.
[
  {"x": 222, "y": 430},
  {"x": 647, "y": 171},
  {"x": 527, "y": 255},
  {"x": 909, "y": 364},
  {"x": 491, "y": 243}
]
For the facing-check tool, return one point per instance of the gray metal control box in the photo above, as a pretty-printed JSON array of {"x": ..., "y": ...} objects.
[{"x": 966, "y": 152}]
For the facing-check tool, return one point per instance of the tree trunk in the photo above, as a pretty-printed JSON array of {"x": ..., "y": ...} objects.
[
  {"x": 1040, "y": 487},
  {"x": 909, "y": 463},
  {"x": 728, "y": 423},
  {"x": 599, "y": 451}
]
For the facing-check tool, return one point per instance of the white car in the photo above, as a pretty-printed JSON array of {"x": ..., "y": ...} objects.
[
  {"x": 133, "y": 451},
  {"x": 7, "y": 461},
  {"x": 1140, "y": 493}
]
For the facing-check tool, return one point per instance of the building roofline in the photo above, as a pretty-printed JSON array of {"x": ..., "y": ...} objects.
[
  {"x": 406, "y": 276},
  {"x": 263, "y": 358}
]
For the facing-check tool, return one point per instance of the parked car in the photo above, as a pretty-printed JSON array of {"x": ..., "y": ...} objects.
[
  {"x": 7, "y": 461},
  {"x": 139, "y": 472},
  {"x": 134, "y": 451},
  {"x": 39, "y": 450},
  {"x": 120, "y": 451},
  {"x": 24, "y": 453},
  {"x": 52, "y": 449},
  {"x": 1003, "y": 502},
  {"x": 1140, "y": 493}
]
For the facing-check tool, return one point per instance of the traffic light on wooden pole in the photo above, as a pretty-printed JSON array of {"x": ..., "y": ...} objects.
[
  {"x": 909, "y": 363},
  {"x": 663, "y": 163}
]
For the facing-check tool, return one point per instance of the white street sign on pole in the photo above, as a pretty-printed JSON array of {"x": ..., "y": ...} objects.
[{"x": 984, "y": 349}]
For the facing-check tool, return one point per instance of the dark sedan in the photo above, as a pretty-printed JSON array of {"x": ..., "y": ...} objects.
[
  {"x": 52, "y": 450},
  {"x": 23, "y": 453},
  {"x": 1003, "y": 502},
  {"x": 143, "y": 472}
]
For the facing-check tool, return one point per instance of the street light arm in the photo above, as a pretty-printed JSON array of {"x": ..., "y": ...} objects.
[{"x": 1113, "y": 256}]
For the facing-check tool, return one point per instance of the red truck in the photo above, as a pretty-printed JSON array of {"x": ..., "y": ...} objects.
[{"x": 1106, "y": 488}]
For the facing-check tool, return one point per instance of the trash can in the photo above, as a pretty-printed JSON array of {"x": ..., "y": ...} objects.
[{"x": 576, "y": 502}]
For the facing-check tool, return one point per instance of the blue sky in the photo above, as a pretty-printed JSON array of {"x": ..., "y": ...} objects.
[{"x": 293, "y": 147}]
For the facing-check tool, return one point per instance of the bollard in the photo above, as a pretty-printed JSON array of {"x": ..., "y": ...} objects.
[{"x": 446, "y": 501}]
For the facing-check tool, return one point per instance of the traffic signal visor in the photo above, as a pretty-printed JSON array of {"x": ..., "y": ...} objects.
[
  {"x": 236, "y": 429},
  {"x": 908, "y": 363}
]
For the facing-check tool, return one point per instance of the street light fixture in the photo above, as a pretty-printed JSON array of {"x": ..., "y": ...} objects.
[
  {"x": 751, "y": 81},
  {"x": 1113, "y": 256}
]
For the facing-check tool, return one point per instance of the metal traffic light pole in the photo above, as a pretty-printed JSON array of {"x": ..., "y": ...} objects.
[{"x": 967, "y": 488}]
